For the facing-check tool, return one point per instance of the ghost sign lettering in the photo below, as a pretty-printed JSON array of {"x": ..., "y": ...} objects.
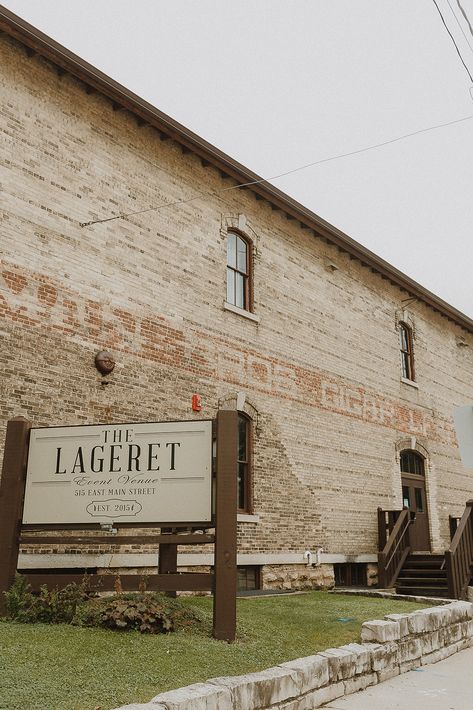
[{"x": 146, "y": 472}]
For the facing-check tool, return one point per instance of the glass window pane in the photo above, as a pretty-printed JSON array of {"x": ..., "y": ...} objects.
[
  {"x": 407, "y": 360},
  {"x": 419, "y": 501},
  {"x": 241, "y": 579},
  {"x": 239, "y": 290},
  {"x": 230, "y": 286},
  {"x": 241, "y": 486},
  {"x": 247, "y": 578},
  {"x": 404, "y": 462},
  {"x": 411, "y": 462},
  {"x": 405, "y": 497},
  {"x": 405, "y": 365},
  {"x": 231, "y": 250},
  {"x": 242, "y": 255},
  {"x": 404, "y": 339},
  {"x": 408, "y": 367},
  {"x": 242, "y": 424}
]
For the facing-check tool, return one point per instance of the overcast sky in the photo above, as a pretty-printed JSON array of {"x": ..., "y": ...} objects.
[{"x": 280, "y": 83}]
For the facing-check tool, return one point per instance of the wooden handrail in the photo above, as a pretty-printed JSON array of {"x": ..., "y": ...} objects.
[
  {"x": 397, "y": 539},
  {"x": 459, "y": 556},
  {"x": 386, "y": 522},
  {"x": 396, "y": 549},
  {"x": 459, "y": 532}
]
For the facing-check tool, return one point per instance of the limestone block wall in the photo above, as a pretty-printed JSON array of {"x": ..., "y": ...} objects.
[
  {"x": 297, "y": 577},
  {"x": 393, "y": 645},
  {"x": 318, "y": 369}
]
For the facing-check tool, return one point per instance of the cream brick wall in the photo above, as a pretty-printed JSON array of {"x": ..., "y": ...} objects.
[{"x": 320, "y": 370}]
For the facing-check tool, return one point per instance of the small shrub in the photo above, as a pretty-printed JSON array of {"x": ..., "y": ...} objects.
[
  {"x": 144, "y": 613},
  {"x": 149, "y": 612},
  {"x": 54, "y": 606},
  {"x": 58, "y": 605},
  {"x": 145, "y": 616},
  {"x": 18, "y": 599}
]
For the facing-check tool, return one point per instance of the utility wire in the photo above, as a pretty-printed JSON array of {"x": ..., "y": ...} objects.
[
  {"x": 465, "y": 16},
  {"x": 459, "y": 23},
  {"x": 453, "y": 40},
  {"x": 259, "y": 181}
]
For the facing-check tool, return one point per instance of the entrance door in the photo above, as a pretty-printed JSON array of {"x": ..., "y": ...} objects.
[{"x": 414, "y": 498}]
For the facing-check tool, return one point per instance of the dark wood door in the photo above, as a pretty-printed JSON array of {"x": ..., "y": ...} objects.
[{"x": 414, "y": 498}]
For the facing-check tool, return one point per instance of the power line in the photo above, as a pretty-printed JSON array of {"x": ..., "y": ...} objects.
[
  {"x": 459, "y": 23},
  {"x": 453, "y": 40},
  {"x": 465, "y": 16},
  {"x": 259, "y": 181}
]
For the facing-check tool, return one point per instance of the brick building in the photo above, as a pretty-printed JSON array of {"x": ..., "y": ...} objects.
[{"x": 344, "y": 370}]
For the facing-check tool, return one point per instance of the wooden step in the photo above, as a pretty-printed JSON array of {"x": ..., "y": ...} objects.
[
  {"x": 427, "y": 573},
  {"x": 435, "y": 563},
  {"x": 423, "y": 576},
  {"x": 425, "y": 581},
  {"x": 421, "y": 591}
]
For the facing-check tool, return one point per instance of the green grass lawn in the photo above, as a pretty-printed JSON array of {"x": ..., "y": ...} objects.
[{"x": 64, "y": 667}]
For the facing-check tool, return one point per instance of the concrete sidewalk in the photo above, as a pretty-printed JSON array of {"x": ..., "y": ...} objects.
[{"x": 447, "y": 685}]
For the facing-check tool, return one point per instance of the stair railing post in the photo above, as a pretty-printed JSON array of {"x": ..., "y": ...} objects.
[
  {"x": 459, "y": 557},
  {"x": 450, "y": 576},
  {"x": 382, "y": 570},
  {"x": 381, "y": 529}
]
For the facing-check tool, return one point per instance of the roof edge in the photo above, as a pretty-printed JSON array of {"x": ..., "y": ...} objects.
[{"x": 42, "y": 44}]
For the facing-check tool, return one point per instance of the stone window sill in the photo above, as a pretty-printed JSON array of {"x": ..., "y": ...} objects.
[
  {"x": 247, "y": 518},
  {"x": 411, "y": 383},
  {"x": 241, "y": 312}
]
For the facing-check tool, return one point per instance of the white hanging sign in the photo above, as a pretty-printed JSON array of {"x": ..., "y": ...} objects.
[{"x": 146, "y": 472}]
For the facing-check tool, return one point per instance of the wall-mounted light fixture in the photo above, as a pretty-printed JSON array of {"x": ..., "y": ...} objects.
[{"x": 104, "y": 362}]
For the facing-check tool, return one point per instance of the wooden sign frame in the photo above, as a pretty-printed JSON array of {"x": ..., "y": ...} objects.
[{"x": 221, "y": 582}]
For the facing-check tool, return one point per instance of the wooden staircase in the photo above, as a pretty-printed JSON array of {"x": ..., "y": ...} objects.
[
  {"x": 423, "y": 576},
  {"x": 427, "y": 575}
]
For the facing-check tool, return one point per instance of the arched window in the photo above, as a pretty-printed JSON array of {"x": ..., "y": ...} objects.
[
  {"x": 244, "y": 462},
  {"x": 407, "y": 354},
  {"x": 238, "y": 271},
  {"x": 412, "y": 462}
]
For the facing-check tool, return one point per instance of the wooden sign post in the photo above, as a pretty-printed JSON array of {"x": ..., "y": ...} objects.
[
  {"x": 224, "y": 619},
  {"x": 222, "y": 582},
  {"x": 12, "y": 489}
]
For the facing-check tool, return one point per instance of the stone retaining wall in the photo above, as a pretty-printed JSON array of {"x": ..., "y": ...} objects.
[{"x": 390, "y": 646}]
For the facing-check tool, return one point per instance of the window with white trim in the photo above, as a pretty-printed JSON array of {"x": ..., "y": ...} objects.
[
  {"x": 238, "y": 271},
  {"x": 407, "y": 353}
]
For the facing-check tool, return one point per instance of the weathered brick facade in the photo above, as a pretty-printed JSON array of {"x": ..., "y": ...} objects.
[{"x": 319, "y": 372}]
